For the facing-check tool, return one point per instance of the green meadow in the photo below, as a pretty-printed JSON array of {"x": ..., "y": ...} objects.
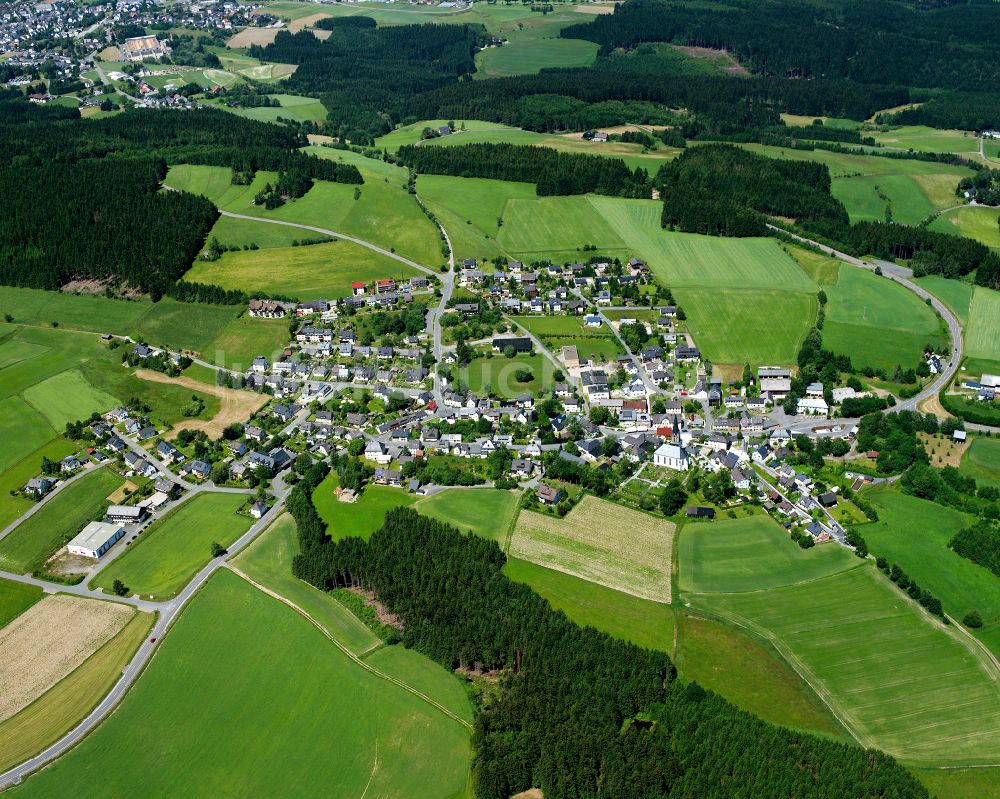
[
  {"x": 534, "y": 45},
  {"x": 974, "y": 223},
  {"x": 981, "y": 461},
  {"x": 268, "y": 561},
  {"x": 232, "y": 232},
  {"x": 876, "y": 321},
  {"x": 897, "y": 678},
  {"x": 66, "y": 397},
  {"x": 14, "y": 478},
  {"x": 751, "y": 554},
  {"x": 360, "y": 518},
  {"x": 921, "y": 137},
  {"x": 62, "y": 517},
  {"x": 215, "y": 713},
  {"x": 957, "y": 295},
  {"x": 246, "y": 337},
  {"x": 15, "y": 598},
  {"x": 168, "y": 553},
  {"x": 319, "y": 271},
  {"x": 301, "y": 109},
  {"x": 982, "y": 334},
  {"x": 498, "y": 374},
  {"x": 487, "y": 512},
  {"x": 915, "y": 533},
  {"x": 547, "y": 227}
]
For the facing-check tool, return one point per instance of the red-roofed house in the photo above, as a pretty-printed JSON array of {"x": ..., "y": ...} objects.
[
  {"x": 358, "y": 288},
  {"x": 385, "y": 285}
]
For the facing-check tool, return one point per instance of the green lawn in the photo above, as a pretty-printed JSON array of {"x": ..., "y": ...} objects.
[
  {"x": 558, "y": 326},
  {"x": 877, "y": 321},
  {"x": 62, "y": 517},
  {"x": 14, "y": 478},
  {"x": 974, "y": 223},
  {"x": 315, "y": 272},
  {"x": 496, "y": 375},
  {"x": 751, "y": 554},
  {"x": 246, "y": 337},
  {"x": 982, "y": 461},
  {"x": 641, "y": 621},
  {"x": 22, "y": 429},
  {"x": 15, "y": 598},
  {"x": 957, "y": 295},
  {"x": 900, "y": 680},
  {"x": 169, "y": 552},
  {"x": 486, "y": 512},
  {"x": 982, "y": 334},
  {"x": 269, "y": 561},
  {"x": 247, "y": 698},
  {"x": 915, "y": 533},
  {"x": 748, "y": 325},
  {"x": 361, "y": 518}
]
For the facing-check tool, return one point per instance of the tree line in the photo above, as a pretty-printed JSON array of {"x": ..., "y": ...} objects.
[
  {"x": 980, "y": 543},
  {"x": 552, "y": 171},
  {"x": 578, "y": 712}
]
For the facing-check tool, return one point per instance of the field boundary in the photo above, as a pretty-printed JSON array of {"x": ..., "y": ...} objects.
[{"x": 354, "y": 658}]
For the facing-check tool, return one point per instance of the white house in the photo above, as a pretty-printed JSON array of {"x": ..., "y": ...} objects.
[
  {"x": 672, "y": 456},
  {"x": 812, "y": 406},
  {"x": 95, "y": 539}
]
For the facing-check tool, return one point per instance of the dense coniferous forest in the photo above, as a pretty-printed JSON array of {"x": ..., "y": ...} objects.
[
  {"x": 578, "y": 713},
  {"x": 952, "y": 46},
  {"x": 119, "y": 224},
  {"x": 725, "y": 190},
  {"x": 554, "y": 172}
]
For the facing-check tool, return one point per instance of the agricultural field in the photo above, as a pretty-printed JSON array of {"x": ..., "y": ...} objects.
[
  {"x": 246, "y": 337},
  {"x": 360, "y": 518},
  {"x": 49, "y": 641},
  {"x": 556, "y": 227},
  {"x": 15, "y": 598},
  {"x": 982, "y": 334},
  {"x": 319, "y": 271},
  {"x": 14, "y": 478},
  {"x": 66, "y": 397},
  {"x": 556, "y": 332},
  {"x": 620, "y": 548},
  {"x": 371, "y": 169},
  {"x": 301, "y": 109},
  {"x": 268, "y": 561},
  {"x": 893, "y": 675},
  {"x": 751, "y": 554},
  {"x": 973, "y": 223},
  {"x": 171, "y": 550},
  {"x": 270, "y": 727},
  {"x": 497, "y": 374},
  {"x": 876, "y": 321},
  {"x": 727, "y": 324},
  {"x": 27, "y": 547},
  {"x": 958, "y": 783},
  {"x": 749, "y": 674},
  {"x": 88, "y": 312},
  {"x": 486, "y": 512},
  {"x": 931, "y": 140},
  {"x": 956, "y": 294},
  {"x": 915, "y": 533},
  {"x": 534, "y": 45},
  {"x": 186, "y": 326},
  {"x": 982, "y": 461},
  {"x": 232, "y": 232},
  {"x": 60, "y": 708},
  {"x": 641, "y": 621}
]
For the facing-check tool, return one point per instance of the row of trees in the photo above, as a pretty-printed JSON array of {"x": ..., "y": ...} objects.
[
  {"x": 554, "y": 172},
  {"x": 577, "y": 713}
]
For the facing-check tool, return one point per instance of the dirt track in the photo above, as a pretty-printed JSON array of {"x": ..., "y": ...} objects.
[{"x": 236, "y": 405}]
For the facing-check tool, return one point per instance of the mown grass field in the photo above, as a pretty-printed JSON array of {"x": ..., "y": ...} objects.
[
  {"x": 67, "y": 397},
  {"x": 319, "y": 271},
  {"x": 748, "y": 326},
  {"x": 915, "y": 533},
  {"x": 876, "y": 197},
  {"x": 748, "y": 674},
  {"x": 232, "y": 232},
  {"x": 497, "y": 374},
  {"x": 982, "y": 461},
  {"x": 60, "y": 708},
  {"x": 549, "y": 226},
  {"x": 974, "y": 223},
  {"x": 486, "y": 512},
  {"x": 15, "y": 598},
  {"x": 614, "y": 546},
  {"x": 269, "y": 561},
  {"x": 301, "y": 109},
  {"x": 961, "y": 783},
  {"x": 72, "y": 311},
  {"x": 360, "y": 518},
  {"x": 982, "y": 334},
  {"x": 932, "y": 140},
  {"x": 956, "y": 294},
  {"x": 62, "y": 517},
  {"x": 534, "y": 45},
  {"x": 246, "y": 337},
  {"x": 15, "y": 477},
  {"x": 244, "y": 724},
  {"x": 23, "y": 429},
  {"x": 898, "y": 679},
  {"x": 186, "y": 326},
  {"x": 168, "y": 553},
  {"x": 877, "y": 321},
  {"x": 751, "y": 554}
]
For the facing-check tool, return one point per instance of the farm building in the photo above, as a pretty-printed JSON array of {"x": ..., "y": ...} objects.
[
  {"x": 95, "y": 539},
  {"x": 125, "y": 514},
  {"x": 139, "y": 47}
]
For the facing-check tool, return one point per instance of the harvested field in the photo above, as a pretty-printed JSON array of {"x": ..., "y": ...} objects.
[
  {"x": 117, "y": 496},
  {"x": 236, "y": 405},
  {"x": 251, "y": 36},
  {"x": 305, "y": 22},
  {"x": 602, "y": 542},
  {"x": 592, "y": 9},
  {"x": 48, "y": 641}
]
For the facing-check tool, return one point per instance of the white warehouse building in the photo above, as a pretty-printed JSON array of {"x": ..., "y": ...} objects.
[{"x": 95, "y": 539}]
